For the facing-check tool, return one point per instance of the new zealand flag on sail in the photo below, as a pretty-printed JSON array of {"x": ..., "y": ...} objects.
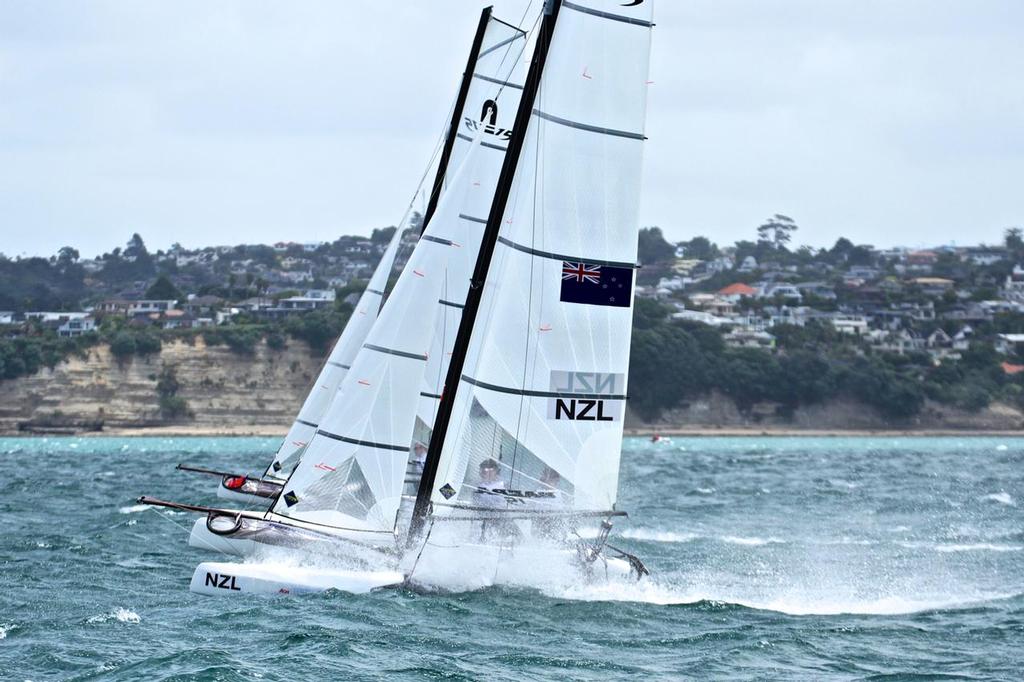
[{"x": 596, "y": 284}]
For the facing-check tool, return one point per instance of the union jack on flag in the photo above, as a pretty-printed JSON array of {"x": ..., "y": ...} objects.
[
  {"x": 596, "y": 283},
  {"x": 581, "y": 272}
]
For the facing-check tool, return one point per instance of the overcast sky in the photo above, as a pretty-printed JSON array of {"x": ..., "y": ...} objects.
[{"x": 887, "y": 121}]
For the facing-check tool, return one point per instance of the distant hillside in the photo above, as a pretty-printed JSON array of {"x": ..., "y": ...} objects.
[{"x": 193, "y": 386}]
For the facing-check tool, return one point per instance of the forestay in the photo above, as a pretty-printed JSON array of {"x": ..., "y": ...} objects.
[
  {"x": 337, "y": 364},
  {"x": 544, "y": 383}
]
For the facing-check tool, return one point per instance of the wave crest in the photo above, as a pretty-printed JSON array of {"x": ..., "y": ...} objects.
[{"x": 120, "y": 614}]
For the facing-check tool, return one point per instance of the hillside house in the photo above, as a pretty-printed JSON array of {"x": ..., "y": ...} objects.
[
  {"x": 737, "y": 292},
  {"x": 310, "y": 300},
  {"x": 76, "y": 327},
  {"x": 749, "y": 338},
  {"x": 849, "y": 324}
]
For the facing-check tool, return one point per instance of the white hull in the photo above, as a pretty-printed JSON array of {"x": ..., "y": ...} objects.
[
  {"x": 218, "y": 578},
  {"x": 202, "y": 538},
  {"x": 459, "y": 568}
]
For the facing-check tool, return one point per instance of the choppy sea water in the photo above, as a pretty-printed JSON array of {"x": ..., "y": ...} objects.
[{"x": 773, "y": 558}]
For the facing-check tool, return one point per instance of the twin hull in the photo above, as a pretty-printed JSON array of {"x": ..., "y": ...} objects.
[{"x": 467, "y": 567}]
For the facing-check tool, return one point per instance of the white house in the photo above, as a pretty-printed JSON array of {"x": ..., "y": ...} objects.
[{"x": 76, "y": 327}]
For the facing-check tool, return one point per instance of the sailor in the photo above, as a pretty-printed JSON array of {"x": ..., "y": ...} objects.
[
  {"x": 490, "y": 493},
  {"x": 490, "y": 482},
  {"x": 419, "y": 457},
  {"x": 414, "y": 471}
]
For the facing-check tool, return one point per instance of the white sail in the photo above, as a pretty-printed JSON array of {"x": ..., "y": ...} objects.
[
  {"x": 544, "y": 383},
  {"x": 337, "y": 364},
  {"x": 490, "y": 102},
  {"x": 493, "y": 81},
  {"x": 476, "y": 205},
  {"x": 352, "y": 472}
]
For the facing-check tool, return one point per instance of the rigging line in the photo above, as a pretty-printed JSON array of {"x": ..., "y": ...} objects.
[
  {"x": 522, "y": 50},
  {"x": 187, "y": 530},
  {"x": 527, "y": 332}
]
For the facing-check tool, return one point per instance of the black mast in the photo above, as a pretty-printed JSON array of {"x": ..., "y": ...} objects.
[
  {"x": 483, "y": 264},
  {"x": 453, "y": 126}
]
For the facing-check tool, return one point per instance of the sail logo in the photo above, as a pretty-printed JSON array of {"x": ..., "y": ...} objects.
[
  {"x": 579, "y": 396},
  {"x": 489, "y": 120},
  {"x": 596, "y": 284},
  {"x": 221, "y": 581},
  {"x": 472, "y": 126}
]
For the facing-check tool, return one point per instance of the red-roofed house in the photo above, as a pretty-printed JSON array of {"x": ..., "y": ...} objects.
[
  {"x": 734, "y": 292},
  {"x": 1010, "y": 368}
]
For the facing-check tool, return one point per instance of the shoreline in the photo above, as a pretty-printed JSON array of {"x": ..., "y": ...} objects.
[{"x": 278, "y": 431}]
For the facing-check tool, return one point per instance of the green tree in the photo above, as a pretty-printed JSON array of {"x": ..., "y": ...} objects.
[
  {"x": 382, "y": 235},
  {"x": 122, "y": 345},
  {"x": 777, "y": 231},
  {"x": 700, "y": 248},
  {"x": 1013, "y": 238},
  {"x": 652, "y": 247},
  {"x": 163, "y": 289}
]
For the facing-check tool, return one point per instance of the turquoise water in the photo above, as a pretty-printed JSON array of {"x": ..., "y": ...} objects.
[{"x": 797, "y": 558}]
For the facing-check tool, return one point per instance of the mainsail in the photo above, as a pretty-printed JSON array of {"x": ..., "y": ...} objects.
[{"x": 538, "y": 381}]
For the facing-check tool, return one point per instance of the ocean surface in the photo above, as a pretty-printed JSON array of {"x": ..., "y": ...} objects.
[{"x": 772, "y": 558}]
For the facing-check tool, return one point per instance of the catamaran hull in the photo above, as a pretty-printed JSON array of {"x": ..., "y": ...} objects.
[
  {"x": 202, "y": 538},
  {"x": 225, "y": 579},
  {"x": 242, "y": 498},
  {"x": 249, "y": 490},
  {"x": 253, "y": 536}
]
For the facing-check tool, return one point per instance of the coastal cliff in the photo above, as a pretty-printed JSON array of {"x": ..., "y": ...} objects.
[{"x": 224, "y": 391}]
